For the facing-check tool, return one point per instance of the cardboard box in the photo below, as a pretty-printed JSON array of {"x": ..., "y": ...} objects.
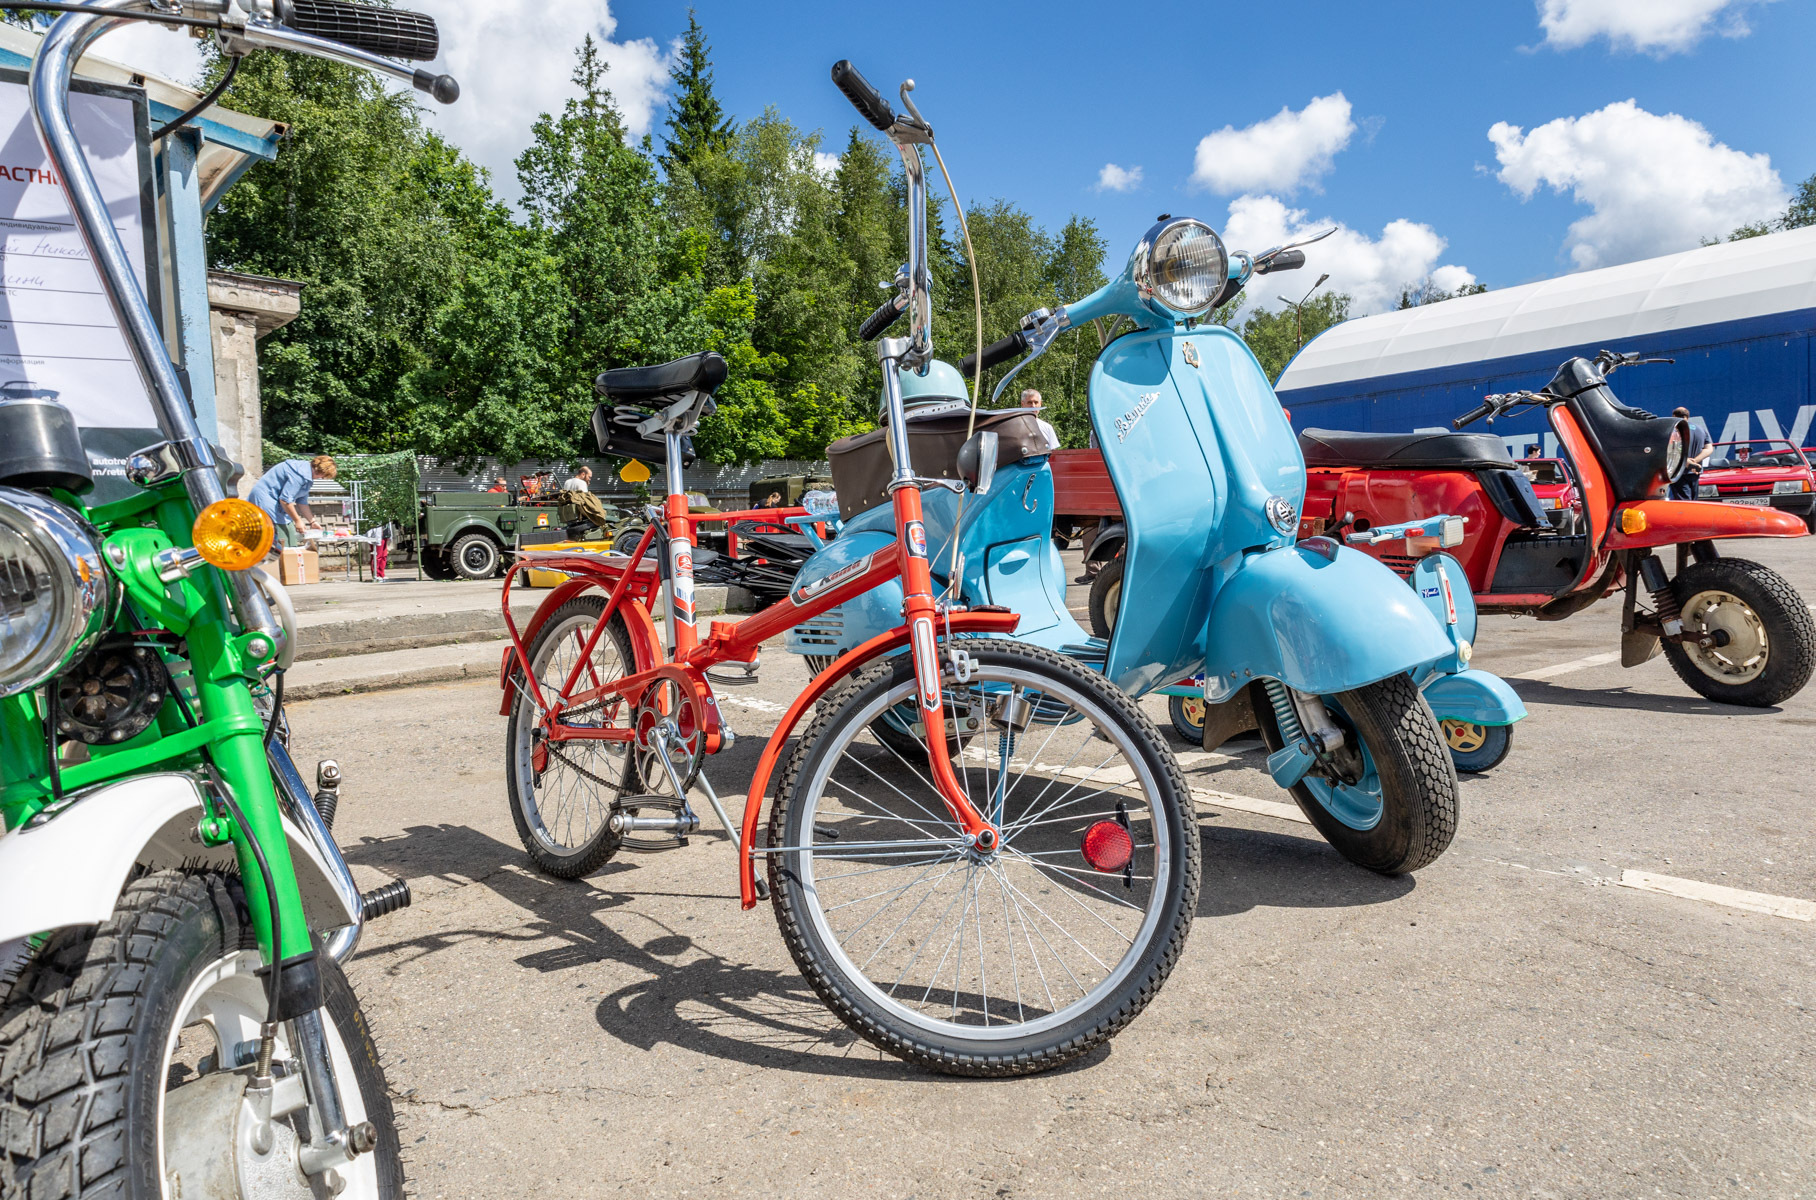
[{"x": 296, "y": 565}]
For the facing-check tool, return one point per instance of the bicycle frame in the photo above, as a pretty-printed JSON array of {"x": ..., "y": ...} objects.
[{"x": 688, "y": 656}]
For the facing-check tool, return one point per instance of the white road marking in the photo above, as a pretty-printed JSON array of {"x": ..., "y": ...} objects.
[
  {"x": 1248, "y": 804},
  {"x": 1565, "y": 668},
  {"x": 751, "y": 702},
  {"x": 1788, "y": 907}
]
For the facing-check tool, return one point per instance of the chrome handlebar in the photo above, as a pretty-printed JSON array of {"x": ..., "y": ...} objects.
[{"x": 68, "y": 39}]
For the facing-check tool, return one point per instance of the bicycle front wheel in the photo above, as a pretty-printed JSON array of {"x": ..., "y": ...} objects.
[{"x": 1000, "y": 963}]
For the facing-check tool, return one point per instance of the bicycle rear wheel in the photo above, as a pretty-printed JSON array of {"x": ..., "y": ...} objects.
[
  {"x": 1001, "y": 963},
  {"x": 562, "y": 795}
]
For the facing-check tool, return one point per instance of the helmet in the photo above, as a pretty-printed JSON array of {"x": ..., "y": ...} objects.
[{"x": 942, "y": 386}]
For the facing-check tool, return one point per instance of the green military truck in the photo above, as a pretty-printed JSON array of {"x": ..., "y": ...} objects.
[{"x": 464, "y": 535}]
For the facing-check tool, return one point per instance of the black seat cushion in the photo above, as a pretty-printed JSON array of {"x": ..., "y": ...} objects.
[
  {"x": 702, "y": 372},
  {"x": 1404, "y": 451}
]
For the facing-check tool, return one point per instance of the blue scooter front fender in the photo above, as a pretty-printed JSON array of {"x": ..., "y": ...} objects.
[
  {"x": 1319, "y": 624},
  {"x": 1475, "y": 697}
]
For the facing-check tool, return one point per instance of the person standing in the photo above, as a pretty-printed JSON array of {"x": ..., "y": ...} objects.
[
  {"x": 1030, "y": 399},
  {"x": 283, "y": 492},
  {"x": 1699, "y": 450},
  {"x": 580, "y": 481}
]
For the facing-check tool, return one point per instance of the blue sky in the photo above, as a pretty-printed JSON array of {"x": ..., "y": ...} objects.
[{"x": 1378, "y": 115}]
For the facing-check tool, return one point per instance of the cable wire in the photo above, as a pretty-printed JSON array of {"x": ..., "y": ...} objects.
[{"x": 214, "y": 93}]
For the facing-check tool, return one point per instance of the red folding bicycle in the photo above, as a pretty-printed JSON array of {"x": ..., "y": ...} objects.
[{"x": 994, "y": 895}]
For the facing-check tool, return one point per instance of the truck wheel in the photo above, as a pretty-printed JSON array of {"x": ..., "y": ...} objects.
[
  {"x": 1106, "y": 597},
  {"x": 435, "y": 564},
  {"x": 475, "y": 556},
  {"x": 1771, "y": 638}
]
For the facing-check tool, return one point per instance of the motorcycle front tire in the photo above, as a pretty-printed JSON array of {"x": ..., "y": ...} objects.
[
  {"x": 1417, "y": 781},
  {"x": 83, "y": 1037}
]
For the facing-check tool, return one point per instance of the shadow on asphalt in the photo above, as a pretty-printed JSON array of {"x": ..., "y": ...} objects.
[
  {"x": 1252, "y": 868},
  {"x": 1535, "y": 691},
  {"x": 694, "y": 998}
]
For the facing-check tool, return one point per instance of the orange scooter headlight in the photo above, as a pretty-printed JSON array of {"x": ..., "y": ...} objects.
[{"x": 233, "y": 534}]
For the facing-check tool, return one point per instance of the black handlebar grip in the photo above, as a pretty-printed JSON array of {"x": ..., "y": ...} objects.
[
  {"x": 888, "y": 313},
  {"x": 995, "y": 353},
  {"x": 390, "y": 32},
  {"x": 863, "y": 97},
  {"x": 1286, "y": 260},
  {"x": 444, "y": 88},
  {"x": 1472, "y": 416}
]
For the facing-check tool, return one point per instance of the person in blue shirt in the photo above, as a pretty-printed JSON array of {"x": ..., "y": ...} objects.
[{"x": 283, "y": 492}]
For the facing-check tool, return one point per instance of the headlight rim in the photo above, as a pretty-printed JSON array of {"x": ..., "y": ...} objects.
[
  {"x": 1143, "y": 273},
  {"x": 82, "y": 608}
]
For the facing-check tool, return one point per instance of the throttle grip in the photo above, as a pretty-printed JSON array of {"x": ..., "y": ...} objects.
[
  {"x": 996, "y": 352},
  {"x": 1286, "y": 260},
  {"x": 391, "y": 32},
  {"x": 863, "y": 97},
  {"x": 888, "y": 313},
  {"x": 1472, "y": 416}
]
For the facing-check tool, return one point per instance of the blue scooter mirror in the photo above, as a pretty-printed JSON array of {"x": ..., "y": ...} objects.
[{"x": 977, "y": 461}]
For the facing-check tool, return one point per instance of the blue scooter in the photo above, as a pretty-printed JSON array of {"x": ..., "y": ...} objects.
[{"x": 1325, "y": 640}]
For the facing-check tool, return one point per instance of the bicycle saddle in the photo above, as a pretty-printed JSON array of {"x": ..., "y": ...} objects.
[{"x": 702, "y": 372}]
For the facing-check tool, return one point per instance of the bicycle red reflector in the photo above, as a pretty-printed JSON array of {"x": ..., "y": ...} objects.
[{"x": 1107, "y": 847}]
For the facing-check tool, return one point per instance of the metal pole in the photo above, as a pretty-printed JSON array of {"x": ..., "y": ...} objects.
[{"x": 1298, "y": 314}]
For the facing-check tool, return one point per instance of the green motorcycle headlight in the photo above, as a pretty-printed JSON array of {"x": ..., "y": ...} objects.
[
  {"x": 55, "y": 592},
  {"x": 1183, "y": 268}
]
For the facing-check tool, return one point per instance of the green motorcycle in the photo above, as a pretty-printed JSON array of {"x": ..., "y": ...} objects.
[{"x": 174, "y": 912}]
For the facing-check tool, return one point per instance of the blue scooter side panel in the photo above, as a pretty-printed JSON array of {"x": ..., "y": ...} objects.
[
  {"x": 1317, "y": 624},
  {"x": 1478, "y": 697},
  {"x": 1196, "y": 444},
  {"x": 860, "y": 618}
]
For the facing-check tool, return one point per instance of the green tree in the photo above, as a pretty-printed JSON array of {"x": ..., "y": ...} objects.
[
  {"x": 366, "y": 208},
  {"x": 1427, "y": 292},
  {"x": 696, "y": 123},
  {"x": 1800, "y": 214},
  {"x": 1275, "y": 335}
]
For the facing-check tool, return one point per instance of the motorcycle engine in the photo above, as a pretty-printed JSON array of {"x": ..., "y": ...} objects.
[{"x": 113, "y": 694}]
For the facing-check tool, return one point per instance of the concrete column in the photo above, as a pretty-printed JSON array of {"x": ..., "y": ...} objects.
[{"x": 243, "y": 309}]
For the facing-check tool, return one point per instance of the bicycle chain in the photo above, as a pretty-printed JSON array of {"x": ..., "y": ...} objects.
[{"x": 582, "y": 771}]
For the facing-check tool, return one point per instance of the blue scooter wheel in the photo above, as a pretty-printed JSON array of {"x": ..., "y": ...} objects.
[
  {"x": 1477, "y": 748},
  {"x": 1187, "y": 713}
]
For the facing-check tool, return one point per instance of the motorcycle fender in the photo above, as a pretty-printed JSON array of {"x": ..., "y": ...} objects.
[
  {"x": 69, "y": 869},
  {"x": 858, "y": 619},
  {"x": 1670, "y": 522},
  {"x": 1477, "y": 697},
  {"x": 1320, "y": 620}
]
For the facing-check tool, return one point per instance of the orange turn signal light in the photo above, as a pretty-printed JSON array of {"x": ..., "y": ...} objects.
[
  {"x": 1632, "y": 521},
  {"x": 233, "y": 535}
]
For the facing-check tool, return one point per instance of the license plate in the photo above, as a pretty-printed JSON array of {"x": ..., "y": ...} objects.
[{"x": 1762, "y": 501}]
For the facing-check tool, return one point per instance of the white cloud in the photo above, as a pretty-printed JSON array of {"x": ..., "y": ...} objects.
[
  {"x": 1280, "y": 154},
  {"x": 1657, "y": 27},
  {"x": 513, "y": 58},
  {"x": 1118, "y": 179},
  {"x": 825, "y": 164},
  {"x": 1657, "y": 184},
  {"x": 1371, "y": 270}
]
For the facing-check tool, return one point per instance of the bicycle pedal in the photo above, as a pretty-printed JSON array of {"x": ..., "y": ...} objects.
[{"x": 627, "y": 821}]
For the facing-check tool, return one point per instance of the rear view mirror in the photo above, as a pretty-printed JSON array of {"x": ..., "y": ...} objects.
[{"x": 977, "y": 461}]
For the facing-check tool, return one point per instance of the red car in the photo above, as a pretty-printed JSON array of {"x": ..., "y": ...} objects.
[
  {"x": 1553, "y": 484},
  {"x": 1762, "y": 473}
]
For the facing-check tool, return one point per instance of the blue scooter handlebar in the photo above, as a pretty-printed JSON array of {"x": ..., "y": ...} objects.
[{"x": 996, "y": 353}]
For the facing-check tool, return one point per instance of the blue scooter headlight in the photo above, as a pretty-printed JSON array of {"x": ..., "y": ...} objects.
[{"x": 1180, "y": 267}]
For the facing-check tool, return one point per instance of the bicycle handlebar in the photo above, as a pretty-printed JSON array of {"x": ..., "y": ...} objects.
[
  {"x": 887, "y": 313},
  {"x": 863, "y": 97},
  {"x": 1472, "y": 416}
]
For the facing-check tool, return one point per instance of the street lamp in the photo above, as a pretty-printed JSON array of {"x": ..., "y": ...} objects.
[{"x": 1298, "y": 324}]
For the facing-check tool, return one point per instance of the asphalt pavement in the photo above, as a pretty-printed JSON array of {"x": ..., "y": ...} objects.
[{"x": 1535, "y": 1014}]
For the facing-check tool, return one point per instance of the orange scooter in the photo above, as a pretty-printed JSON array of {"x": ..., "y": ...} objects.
[{"x": 1734, "y": 630}]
